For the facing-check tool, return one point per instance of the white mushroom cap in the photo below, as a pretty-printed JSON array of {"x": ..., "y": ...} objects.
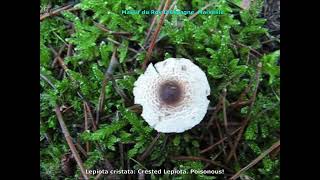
[{"x": 173, "y": 95}]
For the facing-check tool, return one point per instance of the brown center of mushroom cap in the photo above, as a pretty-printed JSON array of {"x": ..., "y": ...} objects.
[{"x": 170, "y": 92}]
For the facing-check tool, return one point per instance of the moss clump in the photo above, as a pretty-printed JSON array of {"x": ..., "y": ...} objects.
[{"x": 228, "y": 47}]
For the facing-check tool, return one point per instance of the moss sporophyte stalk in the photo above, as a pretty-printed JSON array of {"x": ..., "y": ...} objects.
[{"x": 176, "y": 12}]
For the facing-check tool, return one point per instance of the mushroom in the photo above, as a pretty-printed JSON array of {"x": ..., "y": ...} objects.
[{"x": 173, "y": 94}]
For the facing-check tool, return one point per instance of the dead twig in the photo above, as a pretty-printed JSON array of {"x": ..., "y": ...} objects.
[
  {"x": 215, "y": 112},
  {"x": 225, "y": 120},
  {"x": 86, "y": 125},
  {"x": 246, "y": 121},
  {"x": 59, "y": 54},
  {"x": 55, "y": 12},
  {"x": 149, "y": 149},
  {"x": 221, "y": 136},
  {"x": 109, "y": 167},
  {"x": 141, "y": 50},
  {"x": 47, "y": 136},
  {"x": 98, "y": 176},
  {"x": 245, "y": 92},
  {"x": 155, "y": 35},
  {"x": 70, "y": 143},
  {"x": 47, "y": 80},
  {"x": 275, "y": 152},
  {"x": 255, "y": 161},
  {"x": 121, "y": 155},
  {"x": 202, "y": 9},
  {"x": 224, "y": 109},
  {"x": 238, "y": 104},
  {"x": 171, "y": 7},
  {"x": 90, "y": 116},
  {"x": 219, "y": 142},
  {"x": 120, "y": 92},
  {"x": 60, "y": 60},
  {"x": 152, "y": 23},
  {"x": 155, "y": 19},
  {"x": 251, "y": 49},
  {"x": 112, "y": 65},
  {"x": 103, "y": 28},
  {"x": 80, "y": 148},
  {"x": 69, "y": 51},
  {"x": 119, "y": 44}
]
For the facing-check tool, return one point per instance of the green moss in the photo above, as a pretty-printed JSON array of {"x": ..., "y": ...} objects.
[{"x": 220, "y": 44}]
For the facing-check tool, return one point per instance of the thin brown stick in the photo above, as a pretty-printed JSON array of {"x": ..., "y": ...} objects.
[
  {"x": 171, "y": 7},
  {"x": 47, "y": 136},
  {"x": 101, "y": 100},
  {"x": 109, "y": 167},
  {"x": 98, "y": 176},
  {"x": 90, "y": 116},
  {"x": 255, "y": 161},
  {"x": 204, "y": 8},
  {"x": 225, "y": 120},
  {"x": 152, "y": 23},
  {"x": 103, "y": 28},
  {"x": 80, "y": 148},
  {"x": 221, "y": 136},
  {"x": 55, "y": 12},
  {"x": 275, "y": 152},
  {"x": 112, "y": 65},
  {"x": 238, "y": 104},
  {"x": 246, "y": 90},
  {"x": 119, "y": 44},
  {"x": 70, "y": 143},
  {"x": 154, "y": 20},
  {"x": 69, "y": 51},
  {"x": 86, "y": 125},
  {"x": 59, "y": 54},
  {"x": 60, "y": 60},
  {"x": 219, "y": 142},
  {"x": 224, "y": 109},
  {"x": 121, "y": 155},
  {"x": 47, "y": 80},
  {"x": 142, "y": 49},
  {"x": 155, "y": 35},
  {"x": 149, "y": 149},
  {"x": 251, "y": 49},
  {"x": 194, "y": 158},
  {"x": 270, "y": 40},
  {"x": 120, "y": 92},
  {"x": 215, "y": 112},
  {"x": 246, "y": 121}
]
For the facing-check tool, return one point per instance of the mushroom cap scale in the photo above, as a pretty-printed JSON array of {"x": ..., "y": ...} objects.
[{"x": 173, "y": 94}]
